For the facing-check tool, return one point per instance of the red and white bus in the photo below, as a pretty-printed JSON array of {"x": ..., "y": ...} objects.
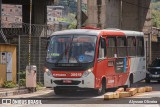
[{"x": 94, "y": 59}]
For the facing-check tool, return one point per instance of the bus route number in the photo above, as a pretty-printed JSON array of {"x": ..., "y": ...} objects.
[{"x": 76, "y": 74}]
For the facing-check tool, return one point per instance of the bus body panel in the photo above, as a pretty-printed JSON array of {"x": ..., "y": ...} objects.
[
  {"x": 82, "y": 82},
  {"x": 104, "y": 68},
  {"x": 47, "y": 80},
  {"x": 138, "y": 68}
]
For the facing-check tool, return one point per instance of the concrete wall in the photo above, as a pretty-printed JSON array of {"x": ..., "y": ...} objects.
[
  {"x": 123, "y": 14},
  {"x": 39, "y": 12},
  {"x": 113, "y": 11},
  {"x": 92, "y": 13},
  {"x": 134, "y": 14}
]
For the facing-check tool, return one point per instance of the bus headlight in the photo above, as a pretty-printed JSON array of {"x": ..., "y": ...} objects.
[
  {"x": 47, "y": 71},
  {"x": 87, "y": 72}
]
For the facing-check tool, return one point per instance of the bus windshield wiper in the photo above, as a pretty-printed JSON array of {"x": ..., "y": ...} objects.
[{"x": 68, "y": 48}]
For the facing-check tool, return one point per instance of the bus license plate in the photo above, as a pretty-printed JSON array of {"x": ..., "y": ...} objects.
[{"x": 67, "y": 81}]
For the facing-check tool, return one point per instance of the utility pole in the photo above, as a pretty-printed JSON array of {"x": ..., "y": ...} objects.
[
  {"x": 79, "y": 13},
  {"x": 121, "y": 13},
  {"x": 0, "y": 14},
  {"x": 30, "y": 31}
]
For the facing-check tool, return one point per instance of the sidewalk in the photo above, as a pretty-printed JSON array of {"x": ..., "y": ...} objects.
[{"x": 4, "y": 92}]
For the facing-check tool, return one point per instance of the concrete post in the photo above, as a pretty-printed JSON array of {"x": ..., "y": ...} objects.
[
  {"x": 79, "y": 13},
  {"x": 40, "y": 12},
  {"x": 0, "y": 14}
]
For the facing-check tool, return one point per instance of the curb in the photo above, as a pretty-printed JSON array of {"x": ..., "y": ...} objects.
[{"x": 15, "y": 92}]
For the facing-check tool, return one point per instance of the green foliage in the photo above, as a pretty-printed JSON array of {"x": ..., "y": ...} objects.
[
  {"x": 39, "y": 86},
  {"x": 72, "y": 25},
  {"x": 69, "y": 19},
  {"x": 155, "y": 8},
  {"x": 155, "y": 0},
  {"x": 22, "y": 82},
  {"x": 22, "y": 74},
  {"x": 9, "y": 84}
]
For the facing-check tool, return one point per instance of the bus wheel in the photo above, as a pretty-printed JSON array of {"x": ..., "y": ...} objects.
[
  {"x": 130, "y": 82},
  {"x": 102, "y": 89},
  {"x": 57, "y": 91},
  {"x": 147, "y": 80}
]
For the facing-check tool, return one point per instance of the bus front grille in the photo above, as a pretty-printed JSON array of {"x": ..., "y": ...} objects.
[{"x": 60, "y": 82}]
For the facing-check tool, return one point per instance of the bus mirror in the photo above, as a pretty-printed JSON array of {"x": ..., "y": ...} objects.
[{"x": 47, "y": 42}]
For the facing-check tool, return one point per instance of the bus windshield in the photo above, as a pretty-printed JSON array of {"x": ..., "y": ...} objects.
[{"x": 71, "y": 49}]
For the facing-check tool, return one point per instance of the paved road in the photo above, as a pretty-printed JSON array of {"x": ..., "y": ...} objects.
[{"x": 77, "y": 99}]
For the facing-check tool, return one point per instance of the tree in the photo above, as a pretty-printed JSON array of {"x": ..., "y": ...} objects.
[
  {"x": 155, "y": 6},
  {"x": 69, "y": 19}
]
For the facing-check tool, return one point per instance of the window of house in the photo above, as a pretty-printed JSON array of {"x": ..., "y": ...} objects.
[
  {"x": 121, "y": 47},
  {"x": 10, "y": 10},
  {"x": 111, "y": 46},
  {"x": 102, "y": 48},
  {"x": 131, "y": 46},
  {"x": 140, "y": 46}
]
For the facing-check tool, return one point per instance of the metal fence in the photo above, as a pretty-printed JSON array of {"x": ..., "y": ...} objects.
[
  {"x": 36, "y": 29},
  {"x": 18, "y": 33}
]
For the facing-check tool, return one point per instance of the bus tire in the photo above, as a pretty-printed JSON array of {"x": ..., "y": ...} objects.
[
  {"x": 57, "y": 91},
  {"x": 147, "y": 80},
  {"x": 102, "y": 89},
  {"x": 130, "y": 82}
]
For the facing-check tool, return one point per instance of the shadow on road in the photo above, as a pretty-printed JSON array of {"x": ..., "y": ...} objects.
[
  {"x": 73, "y": 94},
  {"x": 89, "y": 96},
  {"x": 91, "y": 93},
  {"x": 154, "y": 84}
]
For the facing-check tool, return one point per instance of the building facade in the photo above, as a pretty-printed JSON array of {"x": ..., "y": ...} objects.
[{"x": 11, "y": 14}]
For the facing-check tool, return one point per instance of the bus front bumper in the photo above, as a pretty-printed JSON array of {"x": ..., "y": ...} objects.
[{"x": 83, "y": 82}]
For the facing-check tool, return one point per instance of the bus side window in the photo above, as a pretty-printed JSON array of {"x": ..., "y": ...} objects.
[
  {"x": 121, "y": 46},
  {"x": 131, "y": 46},
  {"x": 111, "y": 47},
  {"x": 102, "y": 48},
  {"x": 140, "y": 46}
]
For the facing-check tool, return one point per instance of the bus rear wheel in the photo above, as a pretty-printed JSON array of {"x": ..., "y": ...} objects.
[
  {"x": 130, "y": 82},
  {"x": 147, "y": 80}
]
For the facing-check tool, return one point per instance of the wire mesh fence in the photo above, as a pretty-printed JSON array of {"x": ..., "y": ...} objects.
[
  {"x": 38, "y": 54},
  {"x": 36, "y": 29},
  {"x": 18, "y": 33}
]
